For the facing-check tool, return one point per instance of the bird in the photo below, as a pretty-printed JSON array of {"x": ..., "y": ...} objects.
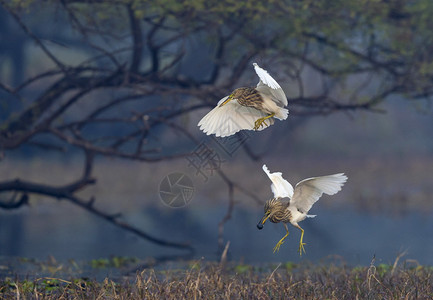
[
  {"x": 247, "y": 108},
  {"x": 301, "y": 199}
]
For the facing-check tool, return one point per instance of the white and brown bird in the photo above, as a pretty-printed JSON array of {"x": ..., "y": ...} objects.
[
  {"x": 247, "y": 108},
  {"x": 301, "y": 199}
]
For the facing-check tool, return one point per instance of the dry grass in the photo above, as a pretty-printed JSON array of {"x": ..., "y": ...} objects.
[{"x": 202, "y": 280}]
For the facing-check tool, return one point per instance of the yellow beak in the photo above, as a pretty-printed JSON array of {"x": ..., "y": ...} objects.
[{"x": 228, "y": 99}]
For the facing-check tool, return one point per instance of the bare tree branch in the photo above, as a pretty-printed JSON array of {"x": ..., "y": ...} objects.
[
  {"x": 137, "y": 41},
  {"x": 13, "y": 204},
  {"x": 35, "y": 39},
  {"x": 67, "y": 193},
  {"x": 134, "y": 79}
]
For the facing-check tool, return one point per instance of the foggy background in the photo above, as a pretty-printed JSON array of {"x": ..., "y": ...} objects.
[{"x": 386, "y": 151}]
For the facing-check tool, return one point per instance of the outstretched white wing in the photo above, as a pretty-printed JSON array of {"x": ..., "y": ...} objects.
[
  {"x": 280, "y": 187},
  {"x": 269, "y": 86},
  {"x": 230, "y": 118},
  {"x": 309, "y": 190}
]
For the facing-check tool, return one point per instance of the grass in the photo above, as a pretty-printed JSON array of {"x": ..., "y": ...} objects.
[{"x": 207, "y": 280}]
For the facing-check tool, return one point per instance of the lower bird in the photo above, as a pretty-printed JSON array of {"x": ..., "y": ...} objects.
[
  {"x": 247, "y": 108},
  {"x": 302, "y": 198}
]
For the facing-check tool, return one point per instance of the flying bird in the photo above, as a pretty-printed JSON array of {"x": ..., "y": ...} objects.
[
  {"x": 301, "y": 199},
  {"x": 247, "y": 108}
]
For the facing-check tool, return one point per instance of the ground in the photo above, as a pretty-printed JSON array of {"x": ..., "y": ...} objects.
[{"x": 130, "y": 278}]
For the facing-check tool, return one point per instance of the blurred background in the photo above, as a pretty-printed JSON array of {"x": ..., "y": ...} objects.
[{"x": 99, "y": 105}]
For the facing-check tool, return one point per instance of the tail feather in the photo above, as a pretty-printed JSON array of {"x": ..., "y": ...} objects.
[{"x": 282, "y": 114}]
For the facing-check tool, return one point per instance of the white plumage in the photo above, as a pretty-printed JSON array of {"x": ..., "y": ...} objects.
[
  {"x": 280, "y": 187},
  {"x": 265, "y": 78},
  {"x": 228, "y": 118},
  {"x": 302, "y": 198},
  {"x": 307, "y": 191},
  {"x": 231, "y": 118}
]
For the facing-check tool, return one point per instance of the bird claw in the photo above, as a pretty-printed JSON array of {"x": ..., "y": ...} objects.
[
  {"x": 301, "y": 248},
  {"x": 277, "y": 246},
  {"x": 259, "y": 123}
]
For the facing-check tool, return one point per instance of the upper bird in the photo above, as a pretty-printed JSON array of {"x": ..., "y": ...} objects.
[
  {"x": 302, "y": 198},
  {"x": 247, "y": 108}
]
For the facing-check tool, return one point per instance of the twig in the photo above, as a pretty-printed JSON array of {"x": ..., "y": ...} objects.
[
  {"x": 223, "y": 259},
  {"x": 394, "y": 266},
  {"x": 272, "y": 274},
  {"x": 67, "y": 192},
  {"x": 227, "y": 217},
  {"x": 24, "y": 200}
]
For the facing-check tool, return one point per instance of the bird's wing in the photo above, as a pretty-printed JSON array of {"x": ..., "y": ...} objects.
[
  {"x": 270, "y": 86},
  {"x": 280, "y": 187},
  {"x": 309, "y": 190},
  {"x": 265, "y": 78},
  {"x": 230, "y": 118}
]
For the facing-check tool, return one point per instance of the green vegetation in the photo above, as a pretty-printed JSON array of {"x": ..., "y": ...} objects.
[
  {"x": 113, "y": 262},
  {"x": 238, "y": 281}
]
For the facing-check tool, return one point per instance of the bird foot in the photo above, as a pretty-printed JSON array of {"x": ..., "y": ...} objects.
[
  {"x": 259, "y": 123},
  {"x": 301, "y": 248},
  {"x": 277, "y": 246}
]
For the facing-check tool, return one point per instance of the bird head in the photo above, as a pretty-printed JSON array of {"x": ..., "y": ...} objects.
[
  {"x": 275, "y": 210},
  {"x": 241, "y": 92},
  {"x": 268, "y": 209}
]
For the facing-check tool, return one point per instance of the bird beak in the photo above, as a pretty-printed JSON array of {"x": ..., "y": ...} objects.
[
  {"x": 263, "y": 220},
  {"x": 228, "y": 99}
]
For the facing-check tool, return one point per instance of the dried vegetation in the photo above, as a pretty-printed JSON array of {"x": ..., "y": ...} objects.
[{"x": 238, "y": 281}]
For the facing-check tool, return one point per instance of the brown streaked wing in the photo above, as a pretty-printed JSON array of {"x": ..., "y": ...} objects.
[{"x": 251, "y": 98}]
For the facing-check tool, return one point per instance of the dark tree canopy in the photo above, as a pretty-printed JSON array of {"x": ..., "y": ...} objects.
[{"x": 114, "y": 73}]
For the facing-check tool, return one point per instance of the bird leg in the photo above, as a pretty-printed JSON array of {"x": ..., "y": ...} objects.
[
  {"x": 260, "y": 121},
  {"x": 301, "y": 244},
  {"x": 277, "y": 246}
]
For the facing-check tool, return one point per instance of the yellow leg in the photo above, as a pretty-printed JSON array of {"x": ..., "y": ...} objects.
[
  {"x": 301, "y": 244},
  {"x": 277, "y": 246},
  {"x": 260, "y": 121}
]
